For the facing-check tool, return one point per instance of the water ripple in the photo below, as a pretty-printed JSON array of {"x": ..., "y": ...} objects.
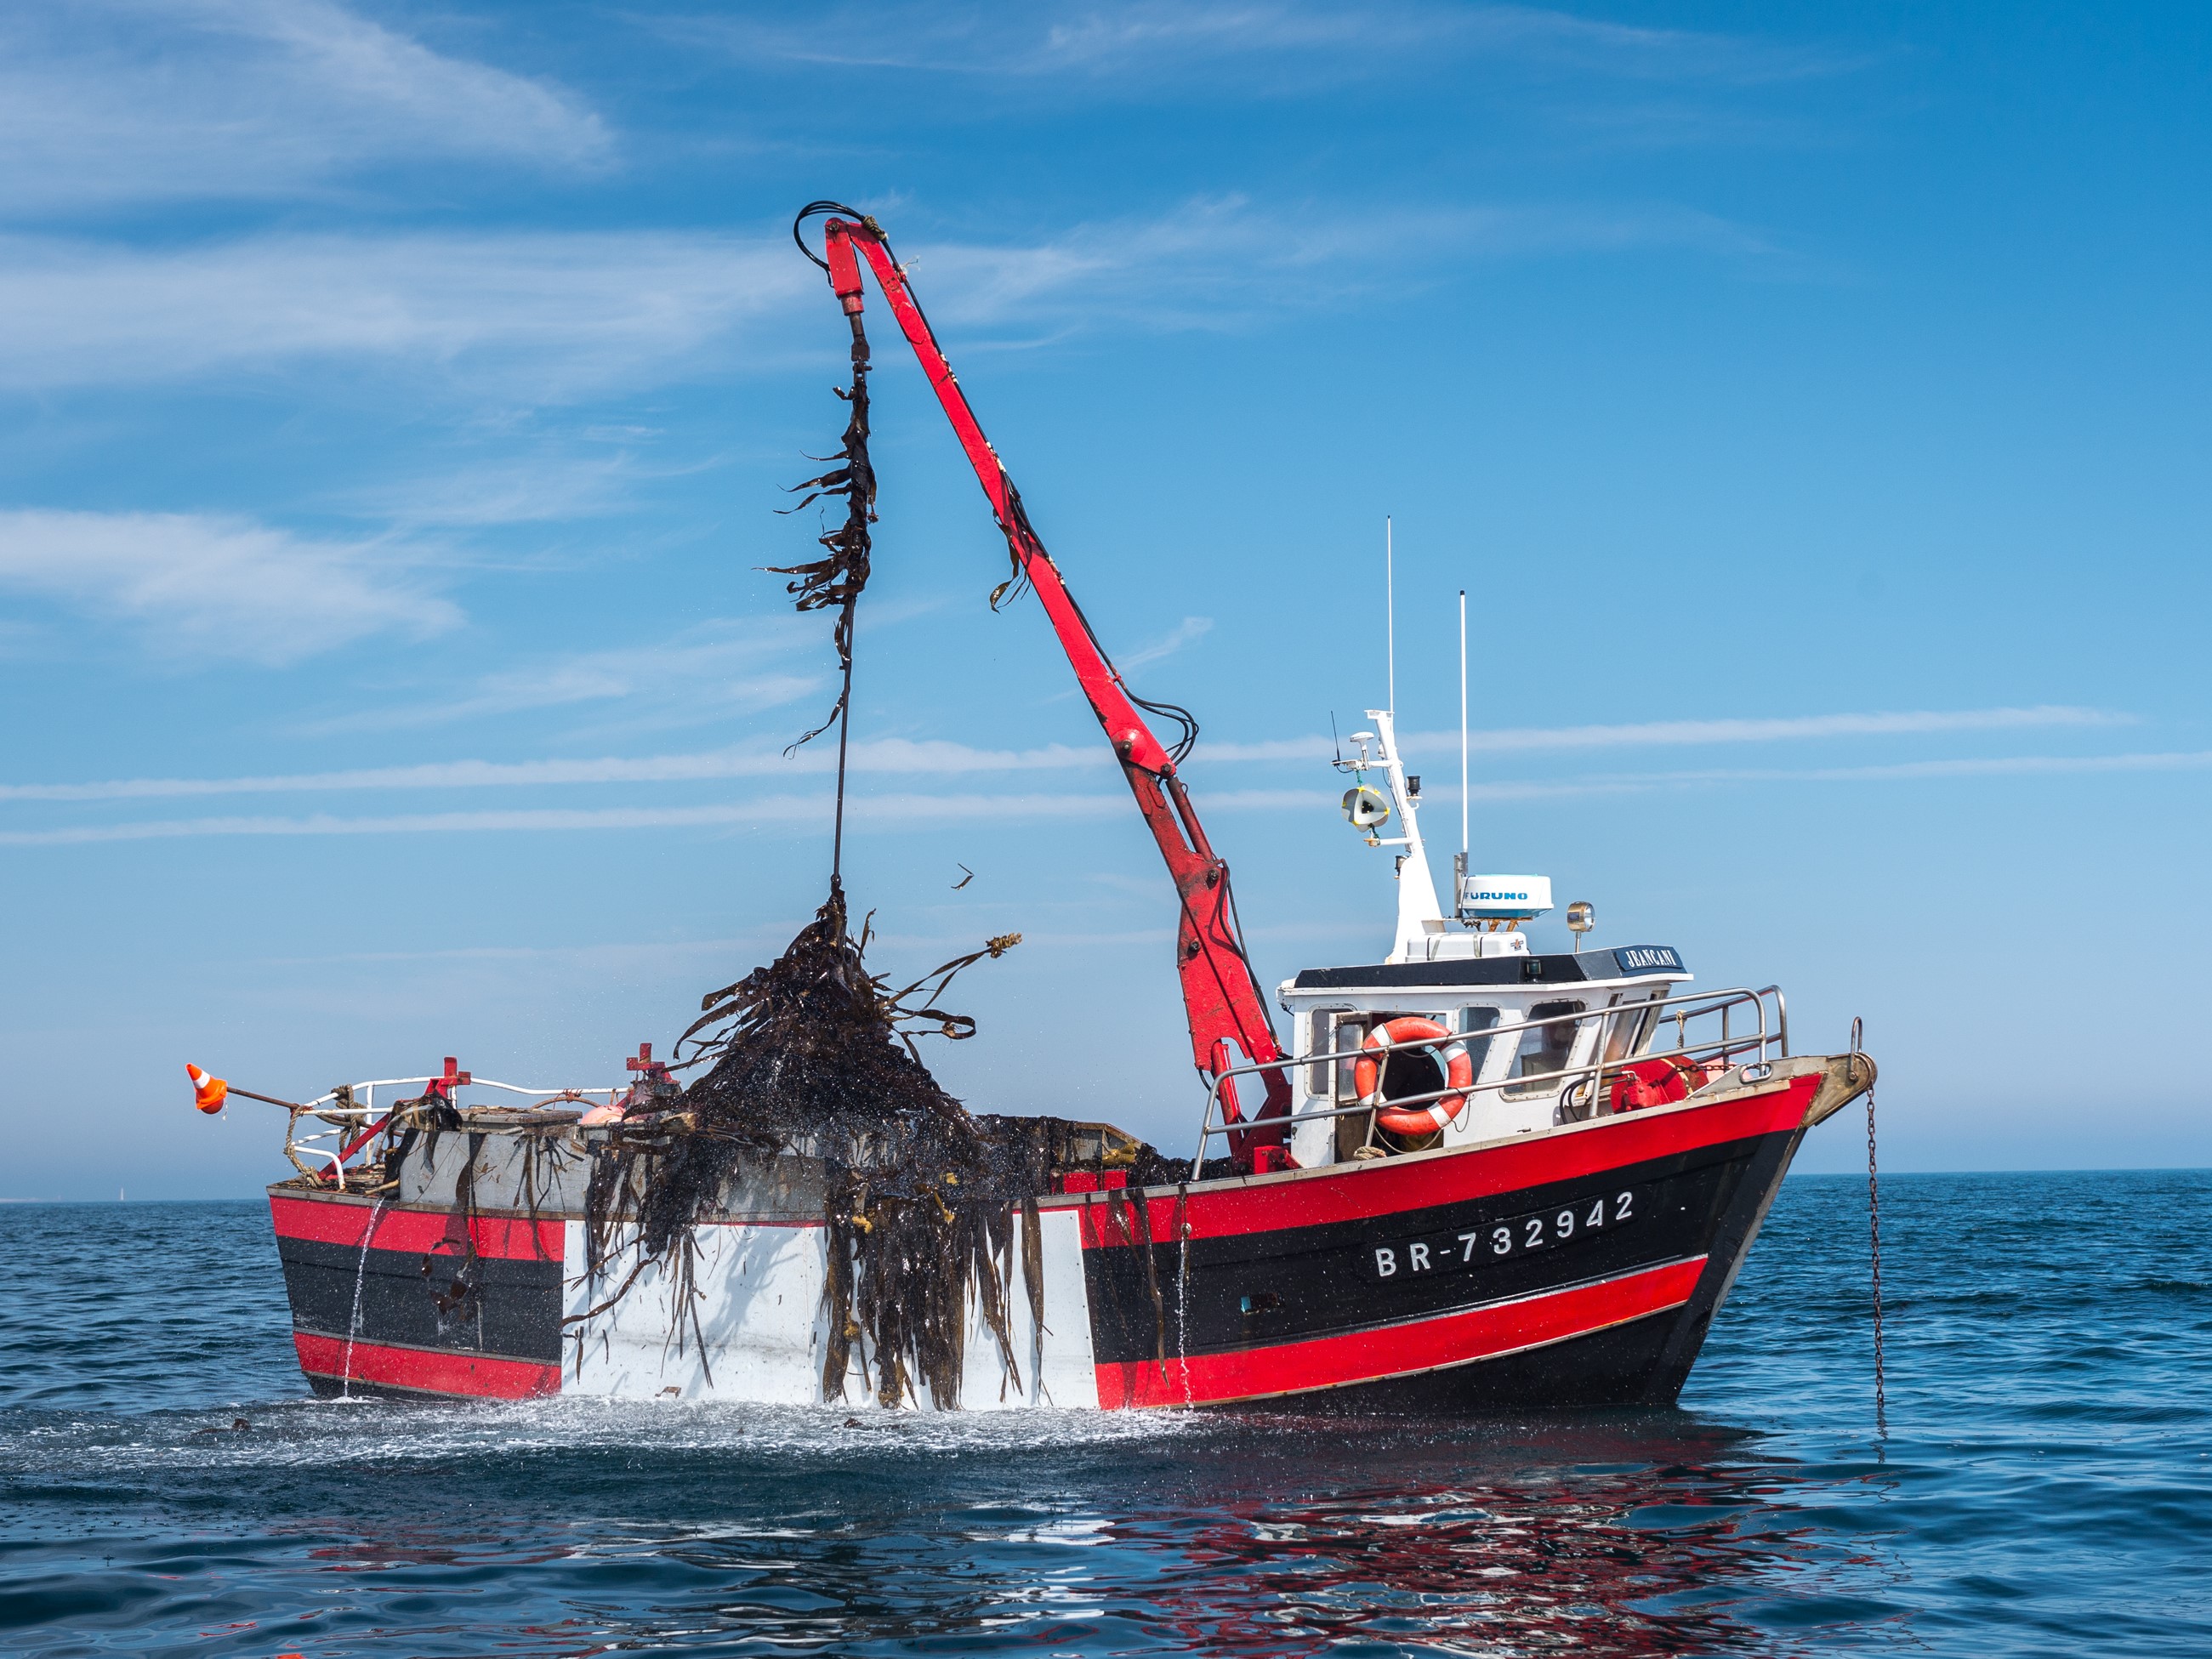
[{"x": 2046, "y": 1485}]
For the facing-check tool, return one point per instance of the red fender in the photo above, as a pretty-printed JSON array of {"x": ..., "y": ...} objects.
[{"x": 1657, "y": 1082}]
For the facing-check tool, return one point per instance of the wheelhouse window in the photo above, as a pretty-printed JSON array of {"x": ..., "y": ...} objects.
[
  {"x": 1350, "y": 1031},
  {"x": 1472, "y": 1023},
  {"x": 1544, "y": 1050},
  {"x": 1624, "y": 1031},
  {"x": 1320, "y": 1039}
]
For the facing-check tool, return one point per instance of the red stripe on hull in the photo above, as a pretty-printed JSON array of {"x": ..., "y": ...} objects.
[
  {"x": 335, "y": 1221},
  {"x": 425, "y": 1370},
  {"x": 1331, "y": 1362},
  {"x": 1266, "y": 1204}
]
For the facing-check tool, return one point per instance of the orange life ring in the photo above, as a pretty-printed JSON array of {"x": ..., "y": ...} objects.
[{"x": 1414, "y": 1030}]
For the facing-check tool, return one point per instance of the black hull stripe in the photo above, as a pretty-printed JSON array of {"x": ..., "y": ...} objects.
[
  {"x": 508, "y": 1308},
  {"x": 1221, "y": 1295}
]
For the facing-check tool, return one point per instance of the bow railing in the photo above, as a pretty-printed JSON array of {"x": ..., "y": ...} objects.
[{"x": 350, "y": 1115}]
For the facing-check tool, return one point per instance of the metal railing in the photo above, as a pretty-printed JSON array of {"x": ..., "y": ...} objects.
[
  {"x": 354, "y": 1104},
  {"x": 1570, "y": 1081}
]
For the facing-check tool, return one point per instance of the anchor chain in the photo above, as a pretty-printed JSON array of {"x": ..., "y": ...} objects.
[{"x": 1874, "y": 1240}]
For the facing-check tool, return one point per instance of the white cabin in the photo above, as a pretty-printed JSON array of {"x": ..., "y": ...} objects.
[
  {"x": 1535, "y": 1025},
  {"x": 1592, "y": 1008}
]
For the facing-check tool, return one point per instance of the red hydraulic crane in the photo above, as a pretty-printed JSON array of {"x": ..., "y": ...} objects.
[{"x": 1228, "y": 1022}]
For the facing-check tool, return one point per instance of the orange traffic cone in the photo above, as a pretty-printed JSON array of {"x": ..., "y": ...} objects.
[{"x": 208, "y": 1093}]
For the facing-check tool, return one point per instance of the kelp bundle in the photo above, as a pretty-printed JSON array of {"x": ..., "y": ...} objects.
[
  {"x": 924, "y": 1203},
  {"x": 814, "y": 1055}
]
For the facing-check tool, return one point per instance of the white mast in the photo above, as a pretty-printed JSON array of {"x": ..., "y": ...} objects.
[
  {"x": 1390, "y": 616},
  {"x": 1459, "y": 868},
  {"x": 1462, "y": 723},
  {"x": 1418, "y": 917}
]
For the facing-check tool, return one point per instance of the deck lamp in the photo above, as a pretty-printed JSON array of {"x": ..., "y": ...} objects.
[{"x": 1582, "y": 916}]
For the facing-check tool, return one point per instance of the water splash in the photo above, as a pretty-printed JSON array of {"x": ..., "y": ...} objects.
[
  {"x": 360, "y": 1272},
  {"x": 1182, "y": 1290}
]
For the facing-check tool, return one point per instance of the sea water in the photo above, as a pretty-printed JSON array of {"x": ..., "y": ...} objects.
[{"x": 2044, "y": 1484}]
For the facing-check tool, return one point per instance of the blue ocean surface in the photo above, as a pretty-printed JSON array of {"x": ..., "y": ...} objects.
[{"x": 2045, "y": 1485}]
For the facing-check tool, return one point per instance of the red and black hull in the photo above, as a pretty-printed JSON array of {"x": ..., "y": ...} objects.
[
  {"x": 1580, "y": 1267},
  {"x": 387, "y": 1299},
  {"x": 1274, "y": 1289}
]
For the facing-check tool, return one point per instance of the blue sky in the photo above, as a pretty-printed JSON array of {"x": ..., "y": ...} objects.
[{"x": 396, "y": 400}]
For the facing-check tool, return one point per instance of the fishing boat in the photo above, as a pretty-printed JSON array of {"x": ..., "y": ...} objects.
[{"x": 1476, "y": 1176}]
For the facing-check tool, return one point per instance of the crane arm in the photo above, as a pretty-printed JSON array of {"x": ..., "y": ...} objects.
[{"x": 1227, "y": 1011}]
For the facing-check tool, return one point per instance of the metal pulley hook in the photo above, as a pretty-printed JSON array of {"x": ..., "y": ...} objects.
[
  {"x": 798, "y": 224},
  {"x": 866, "y": 220}
]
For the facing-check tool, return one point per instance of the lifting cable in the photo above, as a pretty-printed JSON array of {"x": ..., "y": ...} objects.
[{"x": 837, "y": 580}]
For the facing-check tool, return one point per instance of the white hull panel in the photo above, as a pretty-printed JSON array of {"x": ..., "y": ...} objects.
[{"x": 757, "y": 1303}]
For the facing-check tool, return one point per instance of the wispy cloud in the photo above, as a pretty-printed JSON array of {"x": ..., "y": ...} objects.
[
  {"x": 894, "y": 756},
  {"x": 1688, "y": 733},
  {"x": 1968, "y": 766},
  {"x": 1219, "y": 263},
  {"x": 1189, "y": 631},
  {"x": 107, "y": 101},
  {"x": 885, "y": 811},
  {"x": 546, "y": 317},
  {"x": 887, "y": 756},
  {"x": 224, "y": 588},
  {"x": 557, "y": 484},
  {"x": 705, "y": 672},
  {"x": 1186, "y": 632},
  {"x": 1621, "y": 783},
  {"x": 1799, "y": 727},
  {"x": 905, "y": 811},
  {"x": 1257, "y": 45},
  {"x": 539, "y": 316}
]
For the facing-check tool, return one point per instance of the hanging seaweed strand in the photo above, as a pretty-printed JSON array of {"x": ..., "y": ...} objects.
[{"x": 837, "y": 579}]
